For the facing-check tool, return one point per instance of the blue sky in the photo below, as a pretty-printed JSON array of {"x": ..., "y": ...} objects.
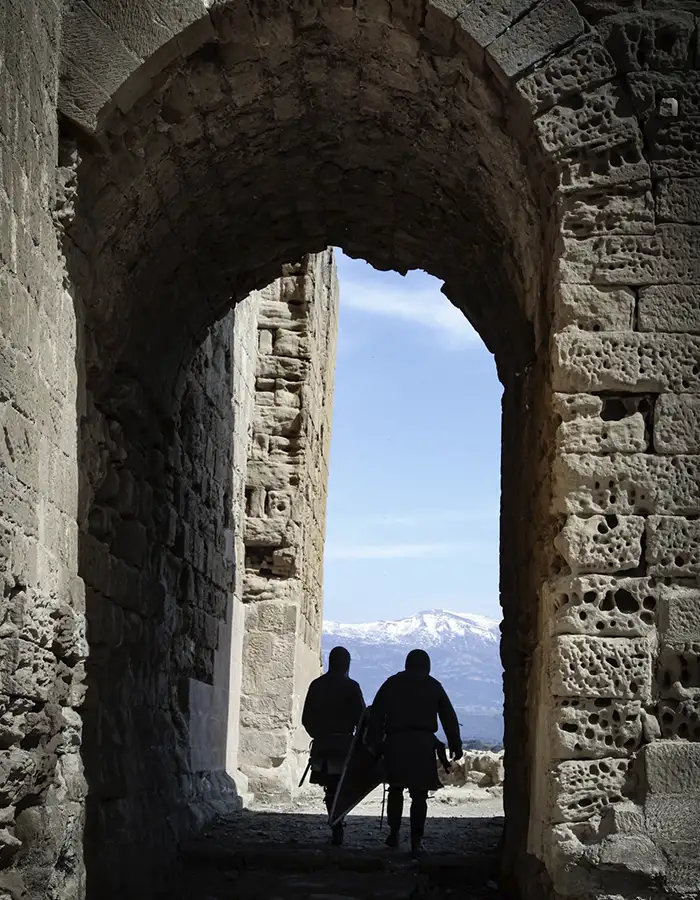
[{"x": 414, "y": 480}]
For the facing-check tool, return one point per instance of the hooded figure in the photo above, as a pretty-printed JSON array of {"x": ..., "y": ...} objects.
[
  {"x": 404, "y": 718},
  {"x": 333, "y": 707}
]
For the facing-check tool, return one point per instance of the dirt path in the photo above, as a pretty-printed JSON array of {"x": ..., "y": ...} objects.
[{"x": 282, "y": 853}]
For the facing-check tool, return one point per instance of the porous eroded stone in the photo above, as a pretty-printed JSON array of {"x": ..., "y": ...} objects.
[
  {"x": 669, "y": 307},
  {"x": 585, "y": 729},
  {"x": 584, "y": 430},
  {"x": 670, "y": 255},
  {"x": 594, "y": 308},
  {"x": 627, "y": 210},
  {"x": 680, "y": 718},
  {"x": 551, "y": 25},
  {"x": 601, "y": 605},
  {"x": 592, "y": 123},
  {"x": 673, "y": 546},
  {"x": 626, "y": 362},
  {"x": 600, "y": 543},
  {"x": 677, "y": 423},
  {"x": 624, "y": 484},
  {"x": 581, "y": 790},
  {"x": 641, "y": 39},
  {"x": 601, "y": 667},
  {"x": 577, "y": 68},
  {"x": 679, "y": 612},
  {"x": 678, "y": 670},
  {"x": 679, "y": 200}
]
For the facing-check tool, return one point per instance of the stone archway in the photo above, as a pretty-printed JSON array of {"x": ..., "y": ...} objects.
[{"x": 496, "y": 145}]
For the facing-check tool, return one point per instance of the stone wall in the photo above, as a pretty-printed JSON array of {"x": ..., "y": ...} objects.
[
  {"x": 540, "y": 158},
  {"x": 42, "y": 637},
  {"x": 286, "y": 492}
]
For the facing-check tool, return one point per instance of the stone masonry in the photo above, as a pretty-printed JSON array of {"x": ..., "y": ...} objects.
[
  {"x": 162, "y": 160},
  {"x": 284, "y": 524}
]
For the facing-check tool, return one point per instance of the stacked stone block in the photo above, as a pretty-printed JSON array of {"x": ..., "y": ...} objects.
[
  {"x": 541, "y": 157},
  {"x": 287, "y": 482}
]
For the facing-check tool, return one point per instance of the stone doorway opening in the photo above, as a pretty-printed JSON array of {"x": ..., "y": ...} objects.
[{"x": 252, "y": 138}]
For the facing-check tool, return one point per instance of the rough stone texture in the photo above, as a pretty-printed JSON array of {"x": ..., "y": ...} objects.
[
  {"x": 601, "y": 667},
  {"x": 673, "y": 546},
  {"x": 601, "y": 605},
  {"x": 583, "y": 789},
  {"x": 284, "y": 534},
  {"x": 541, "y": 157},
  {"x": 669, "y": 307},
  {"x": 585, "y": 729},
  {"x": 677, "y": 423},
  {"x": 601, "y": 544}
]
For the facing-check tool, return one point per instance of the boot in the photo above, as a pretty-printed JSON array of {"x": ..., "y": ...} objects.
[
  {"x": 416, "y": 848},
  {"x": 392, "y": 839},
  {"x": 337, "y": 834}
]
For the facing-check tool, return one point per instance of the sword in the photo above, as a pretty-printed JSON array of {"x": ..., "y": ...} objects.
[{"x": 306, "y": 771}]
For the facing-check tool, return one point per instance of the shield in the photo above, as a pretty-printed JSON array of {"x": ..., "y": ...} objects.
[{"x": 362, "y": 773}]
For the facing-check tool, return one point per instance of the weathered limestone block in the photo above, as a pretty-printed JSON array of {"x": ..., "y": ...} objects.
[
  {"x": 579, "y": 67},
  {"x": 594, "y": 124},
  {"x": 678, "y": 670},
  {"x": 583, "y": 428},
  {"x": 669, "y": 307},
  {"x": 26, "y": 670},
  {"x": 601, "y": 605},
  {"x": 625, "y": 484},
  {"x": 601, "y": 667},
  {"x": 677, "y": 423},
  {"x": 673, "y": 817},
  {"x": 585, "y": 729},
  {"x": 649, "y": 39},
  {"x": 680, "y": 718},
  {"x": 673, "y": 546},
  {"x": 485, "y": 20},
  {"x": 633, "y": 361},
  {"x": 669, "y": 255},
  {"x": 601, "y": 544},
  {"x": 583, "y": 789},
  {"x": 671, "y": 767},
  {"x": 539, "y": 34},
  {"x": 594, "y": 308},
  {"x": 678, "y": 200},
  {"x": 679, "y": 613},
  {"x": 629, "y": 209}
]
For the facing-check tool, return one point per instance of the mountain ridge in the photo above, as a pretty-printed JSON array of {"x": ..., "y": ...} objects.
[{"x": 464, "y": 651}]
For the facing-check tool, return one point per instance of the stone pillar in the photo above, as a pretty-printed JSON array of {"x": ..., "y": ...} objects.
[
  {"x": 285, "y": 518},
  {"x": 42, "y": 644}
]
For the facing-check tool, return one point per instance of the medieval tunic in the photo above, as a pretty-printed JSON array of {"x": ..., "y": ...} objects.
[
  {"x": 405, "y": 714},
  {"x": 333, "y": 707}
]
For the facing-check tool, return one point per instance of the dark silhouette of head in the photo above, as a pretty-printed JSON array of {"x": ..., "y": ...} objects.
[
  {"x": 339, "y": 661},
  {"x": 418, "y": 662}
]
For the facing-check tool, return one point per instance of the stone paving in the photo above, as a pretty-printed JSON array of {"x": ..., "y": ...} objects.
[{"x": 272, "y": 853}]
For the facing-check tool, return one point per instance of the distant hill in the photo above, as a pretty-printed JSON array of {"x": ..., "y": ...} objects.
[{"x": 464, "y": 650}]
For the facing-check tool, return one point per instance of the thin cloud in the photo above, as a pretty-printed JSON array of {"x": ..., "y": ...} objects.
[
  {"x": 423, "y": 307},
  {"x": 435, "y": 516},
  {"x": 391, "y": 551}
]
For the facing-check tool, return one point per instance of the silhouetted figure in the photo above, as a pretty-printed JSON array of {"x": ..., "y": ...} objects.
[
  {"x": 404, "y": 716},
  {"x": 332, "y": 709}
]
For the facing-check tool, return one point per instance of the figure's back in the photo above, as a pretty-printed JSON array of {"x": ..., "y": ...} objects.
[
  {"x": 411, "y": 702},
  {"x": 333, "y": 705}
]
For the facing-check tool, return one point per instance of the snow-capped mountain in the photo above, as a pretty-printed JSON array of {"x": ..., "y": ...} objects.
[{"x": 464, "y": 650}]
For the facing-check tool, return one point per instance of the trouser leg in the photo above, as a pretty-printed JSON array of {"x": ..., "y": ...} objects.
[
  {"x": 330, "y": 789},
  {"x": 419, "y": 813},
  {"x": 394, "y": 808}
]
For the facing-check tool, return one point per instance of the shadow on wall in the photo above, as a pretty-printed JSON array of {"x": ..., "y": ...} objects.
[{"x": 157, "y": 557}]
